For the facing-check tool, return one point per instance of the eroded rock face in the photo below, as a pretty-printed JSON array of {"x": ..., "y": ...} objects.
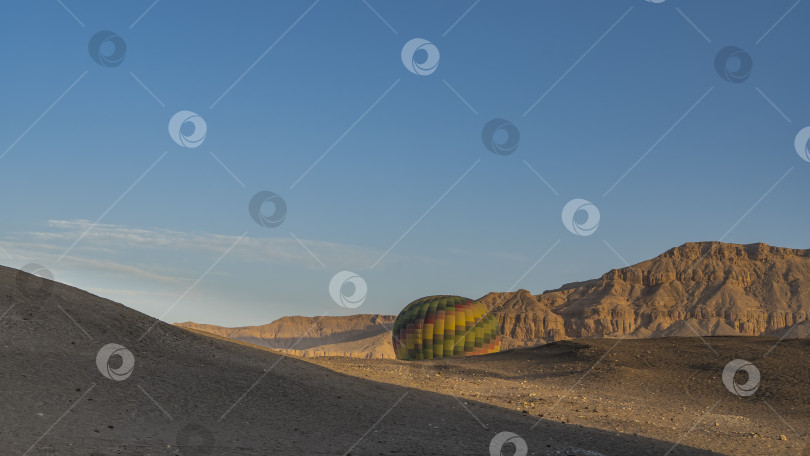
[
  {"x": 524, "y": 319},
  {"x": 707, "y": 288}
]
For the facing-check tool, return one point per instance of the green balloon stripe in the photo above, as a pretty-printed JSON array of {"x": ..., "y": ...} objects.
[{"x": 444, "y": 326}]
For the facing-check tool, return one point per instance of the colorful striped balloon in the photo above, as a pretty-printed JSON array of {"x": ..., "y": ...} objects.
[{"x": 445, "y": 326}]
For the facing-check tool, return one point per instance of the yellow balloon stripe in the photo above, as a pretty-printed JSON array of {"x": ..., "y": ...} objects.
[{"x": 444, "y": 326}]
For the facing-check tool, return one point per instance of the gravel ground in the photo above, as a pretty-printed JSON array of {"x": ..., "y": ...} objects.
[{"x": 664, "y": 389}]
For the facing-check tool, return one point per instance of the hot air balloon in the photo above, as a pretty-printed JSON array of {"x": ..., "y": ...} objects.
[{"x": 445, "y": 326}]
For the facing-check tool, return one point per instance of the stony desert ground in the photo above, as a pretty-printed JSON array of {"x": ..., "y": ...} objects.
[
  {"x": 665, "y": 389},
  {"x": 188, "y": 394}
]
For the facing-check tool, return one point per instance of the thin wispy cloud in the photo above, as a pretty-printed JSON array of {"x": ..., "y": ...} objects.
[
  {"x": 147, "y": 269},
  {"x": 133, "y": 294},
  {"x": 48, "y": 255},
  {"x": 117, "y": 239}
]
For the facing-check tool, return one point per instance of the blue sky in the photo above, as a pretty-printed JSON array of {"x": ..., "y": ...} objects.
[{"x": 406, "y": 195}]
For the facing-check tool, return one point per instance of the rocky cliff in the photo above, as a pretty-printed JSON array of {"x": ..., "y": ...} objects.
[{"x": 707, "y": 288}]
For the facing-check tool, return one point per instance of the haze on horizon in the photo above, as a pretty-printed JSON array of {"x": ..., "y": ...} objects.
[{"x": 383, "y": 171}]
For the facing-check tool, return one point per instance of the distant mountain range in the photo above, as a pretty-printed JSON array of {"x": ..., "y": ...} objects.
[
  {"x": 364, "y": 335},
  {"x": 704, "y": 288}
]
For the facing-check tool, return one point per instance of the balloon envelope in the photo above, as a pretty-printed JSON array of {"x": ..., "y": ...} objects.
[{"x": 445, "y": 326}]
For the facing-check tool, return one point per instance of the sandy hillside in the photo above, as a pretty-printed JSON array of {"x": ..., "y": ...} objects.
[{"x": 188, "y": 394}]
